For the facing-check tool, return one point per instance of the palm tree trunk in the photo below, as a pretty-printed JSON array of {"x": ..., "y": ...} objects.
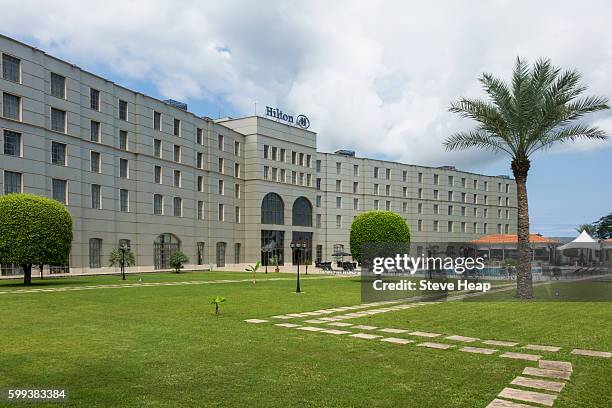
[{"x": 524, "y": 281}]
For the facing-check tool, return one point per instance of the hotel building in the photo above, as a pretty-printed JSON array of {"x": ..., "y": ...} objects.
[{"x": 135, "y": 170}]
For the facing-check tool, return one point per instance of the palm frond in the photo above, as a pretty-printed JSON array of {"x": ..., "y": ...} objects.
[
  {"x": 566, "y": 134},
  {"x": 477, "y": 138}
]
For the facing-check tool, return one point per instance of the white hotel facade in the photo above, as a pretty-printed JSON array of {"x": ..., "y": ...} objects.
[{"x": 136, "y": 170}]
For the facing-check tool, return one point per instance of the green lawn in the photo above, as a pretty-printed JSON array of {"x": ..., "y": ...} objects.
[{"x": 163, "y": 346}]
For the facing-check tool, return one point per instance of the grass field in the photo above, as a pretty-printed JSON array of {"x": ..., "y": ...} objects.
[{"x": 162, "y": 346}]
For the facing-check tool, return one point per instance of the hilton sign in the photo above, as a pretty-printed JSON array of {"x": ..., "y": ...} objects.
[{"x": 301, "y": 120}]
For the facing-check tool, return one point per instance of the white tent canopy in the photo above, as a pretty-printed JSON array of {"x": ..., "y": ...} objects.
[{"x": 583, "y": 241}]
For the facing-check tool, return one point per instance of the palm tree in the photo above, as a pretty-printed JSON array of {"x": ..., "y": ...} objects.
[
  {"x": 589, "y": 228},
  {"x": 122, "y": 257},
  {"x": 542, "y": 106}
]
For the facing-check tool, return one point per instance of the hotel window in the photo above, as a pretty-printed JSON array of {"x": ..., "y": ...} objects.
[
  {"x": 123, "y": 140},
  {"x": 451, "y": 180},
  {"x": 11, "y": 68},
  {"x": 507, "y": 214},
  {"x": 507, "y": 229},
  {"x": 158, "y": 175},
  {"x": 356, "y": 170},
  {"x": 507, "y": 202},
  {"x": 463, "y": 227},
  {"x": 301, "y": 159},
  {"x": 308, "y": 160},
  {"x": 294, "y": 177},
  {"x": 200, "y": 183},
  {"x": 486, "y": 200},
  {"x": 266, "y": 172},
  {"x": 485, "y": 228},
  {"x": 95, "y": 197},
  {"x": 237, "y": 216},
  {"x": 404, "y": 175},
  {"x": 419, "y": 208},
  {"x": 158, "y": 204},
  {"x": 177, "y": 127},
  {"x": 94, "y": 99},
  {"x": 499, "y": 201},
  {"x": 318, "y": 222},
  {"x": 221, "y": 165},
  {"x": 95, "y": 253},
  {"x": 338, "y": 185},
  {"x": 338, "y": 168},
  {"x": 318, "y": 183},
  {"x": 283, "y": 176},
  {"x": 12, "y": 143},
  {"x": 177, "y": 178},
  {"x": 420, "y": 225},
  {"x": 436, "y": 226},
  {"x": 221, "y": 189},
  {"x": 274, "y": 151},
  {"x": 94, "y": 131},
  {"x": 475, "y": 198},
  {"x": 451, "y": 226},
  {"x": 157, "y": 148},
  {"x": 178, "y": 206},
  {"x": 436, "y": 194},
  {"x": 123, "y": 168},
  {"x": 293, "y": 158},
  {"x": 450, "y": 196},
  {"x": 301, "y": 179},
  {"x": 123, "y": 110},
  {"x": 436, "y": 179},
  {"x": 388, "y": 174},
  {"x": 221, "y": 142},
  {"x": 318, "y": 202},
  {"x": 486, "y": 186},
  {"x": 58, "y": 86},
  {"x": 11, "y": 106},
  {"x": 274, "y": 174},
  {"x": 486, "y": 213},
  {"x": 236, "y": 170},
  {"x": 237, "y": 149},
  {"x": 404, "y": 207},
  {"x": 283, "y": 154},
  {"x": 12, "y": 182},
  {"x": 237, "y": 190},
  {"x": 355, "y": 204},
  {"x": 338, "y": 221},
  {"x": 463, "y": 211},
  {"x": 387, "y": 190},
  {"x": 266, "y": 151},
  {"x": 59, "y": 191},
  {"x": 58, "y": 120},
  {"x": 375, "y": 189},
  {"x": 463, "y": 197},
  {"x": 475, "y": 226},
  {"x": 436, "y": 209},
  {"x": 221, "y": 212},
  {"x": 507, "y": 188},
  {"x": 199, "y": 139},
  {"x": 499, "y": 213},
  {"x": 199, "y": 160},
  {"x": 376, "y": 205},
  {"x": 420, "y": 177},
  {"x": 475, "y": 212},
  {"x": 338, "y": 202},
  {"x": 308, "y": 180},
  {"x": 499, "y": 187},
  {"x": 124, "y": 200},
  {"x": 475, "y": 184},
  {"x": 420, "y": 193},
  {"x": 95, "y": 161},
  {"x": 58, "y": 153},
  {"x": 388, "y": 206},
  {"x": 499, "y": 228},
  {"x": 177, "y": 153},
  {"x": 463, "y": 182},
  {"x": 157, "y": 120},
  {"x": 450, "y": 210},
  {"x": 355, "y": 187},
  {"x": 200, "y": 214},
  {"x": 375, "y": 172}
]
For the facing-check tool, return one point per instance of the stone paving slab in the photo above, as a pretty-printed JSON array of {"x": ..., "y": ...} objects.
[
  {"x": 282, "y": 317},
  {"x": 391, "y": 330},
  {"x": 328, "y": 319},
  {"x": 339, "y": 324},
  {"x": 364, "y": 327},
  {"x": 295, "y": 315},
  {"x": 500, "y": 403},
  {"x": 440, "y": 346},
  {"x": 555, "y": 365},
  {"x": 287, "y": 325},
  {"x": 500, "y": 343},
  {"x": 396, "y": 340},
  {"x": 592, "y": 353},
  {"x": 539, "y": 384},
  {"x": 462, "y": 338},
  {"x": 541, "y": 348},
  {"x": 365, "y": 336},
  {"x": 528, "y": 396},
  {"x": 424, "y": 334},
  {"x": 334, "y": 331},
  {"x": 478, "y": 350},
  {"x": 521, "y": 356},
  {"x": 315, "y": 321},
  {"x": 542, "y": 372},
  {"x": 256, "y": 321},
  {"x": 310, "y": 328}
]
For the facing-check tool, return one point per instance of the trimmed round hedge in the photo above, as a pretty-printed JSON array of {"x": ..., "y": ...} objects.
[
  {"x": 377, "y": 227},
  {"x": 34, "y": 230}
]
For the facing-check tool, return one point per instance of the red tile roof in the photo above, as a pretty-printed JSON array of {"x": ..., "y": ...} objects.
[{"x": 511, "y": 239}]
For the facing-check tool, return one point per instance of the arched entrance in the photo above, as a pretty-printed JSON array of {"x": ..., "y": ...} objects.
[{"x": 164, "y": 246}]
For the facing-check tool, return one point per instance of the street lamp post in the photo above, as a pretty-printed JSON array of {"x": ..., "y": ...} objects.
[{"x": 298, "y": 246}]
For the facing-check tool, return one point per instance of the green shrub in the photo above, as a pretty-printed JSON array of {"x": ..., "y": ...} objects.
[
  {"x": 34, "y": 230},
  {"x": 178, "y": 260},
  {"x": 377, "y": 227}
]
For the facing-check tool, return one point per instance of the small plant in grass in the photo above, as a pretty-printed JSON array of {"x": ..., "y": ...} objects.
[
  {"x": 178, "y": 260},
  {"x": 217, "y": 301},
  {"x": 274, "y": 262},
  {"x": 253, "y": 269}
]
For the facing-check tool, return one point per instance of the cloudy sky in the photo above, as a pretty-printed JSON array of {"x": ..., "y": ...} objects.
[{"x": 376, "y": 77}]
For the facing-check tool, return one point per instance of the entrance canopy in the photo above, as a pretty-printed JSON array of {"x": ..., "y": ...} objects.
[{"x": 583, "y": 241}]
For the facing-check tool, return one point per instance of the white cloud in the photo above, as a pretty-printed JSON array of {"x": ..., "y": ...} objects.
[{"x": 374, "y": 77}]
